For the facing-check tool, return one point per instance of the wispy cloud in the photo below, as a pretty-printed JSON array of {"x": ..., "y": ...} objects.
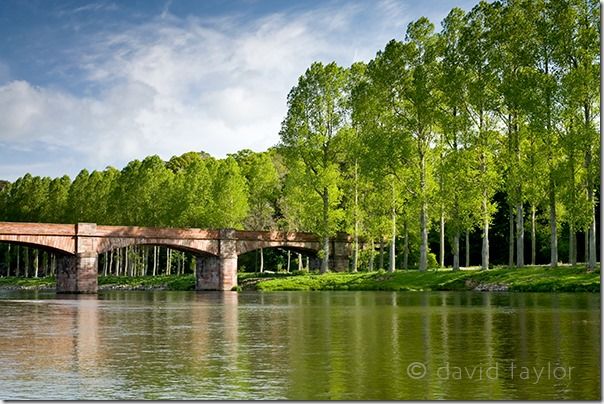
[
  {"x": 88, "y": 8},
  {"x": 174, "y": 84}
]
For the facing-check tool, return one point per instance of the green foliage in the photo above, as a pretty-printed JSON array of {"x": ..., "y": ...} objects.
[
  {"x": 229, "y": 202},
  {"x": 167, "y": 282},
  {"x": 432, "y": 262},
  {"x": 47, "y": 282},
  {"x": 504, "y": 99},
  {"x": 194, "y": 190},
  {"x": 263, "y": 185},
  {"x": 316, "y": 115},
  {"x": 532, "y": 279}
]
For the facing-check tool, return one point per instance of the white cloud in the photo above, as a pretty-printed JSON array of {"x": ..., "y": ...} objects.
[{"x": 173, "y": 85}]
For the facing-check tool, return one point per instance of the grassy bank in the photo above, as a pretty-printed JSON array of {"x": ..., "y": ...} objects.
[
  {"x": 163, "y": 282},
  {"x": 13, "y": 282},
  {"x": 529, "y": 279}
]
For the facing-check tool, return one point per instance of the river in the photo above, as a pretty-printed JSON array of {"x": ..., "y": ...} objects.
[{"x": 299, "y": 345}]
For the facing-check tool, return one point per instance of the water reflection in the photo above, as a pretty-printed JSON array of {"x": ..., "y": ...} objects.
[{"x": 293, "y": 345}]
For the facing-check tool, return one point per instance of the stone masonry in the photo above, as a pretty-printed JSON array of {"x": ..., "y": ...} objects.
[{"x": 216, "y": 251}]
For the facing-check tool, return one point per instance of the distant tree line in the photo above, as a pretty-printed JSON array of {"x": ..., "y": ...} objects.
[{"x": 487, "y": 130}]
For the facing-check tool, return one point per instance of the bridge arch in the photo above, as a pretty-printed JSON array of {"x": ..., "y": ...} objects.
[
  {"x": 57, "y": 245},
  {"x": 278, "y": 256},
  {"x": 196, "y": 247},
  {"x": 246, "y": 246},
  {"x": 218, "y": 249}
]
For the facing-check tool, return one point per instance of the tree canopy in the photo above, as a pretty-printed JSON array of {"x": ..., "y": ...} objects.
[{"x": 484, "y": 129}]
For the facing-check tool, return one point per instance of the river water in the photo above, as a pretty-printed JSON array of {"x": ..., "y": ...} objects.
[{"x": 299, "y": 345}]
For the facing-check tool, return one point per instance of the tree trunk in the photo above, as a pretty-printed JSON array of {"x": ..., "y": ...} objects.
[
  {"x": 381, "y": 253},
  {"x": 178, "y": 263},
  {"x": 168, "y": 261},
  {"x": 485, "y": 252},
  {"x": 456, "y": 251},
  {"x": 118, "y": 262},
  {"x": 533, "y": 236},
  {"x": 325, "y": 259},
  {"x": 18, "y": 270},
  {"x": 592, "y": 239},
  {"x": 591, "y": 261},
  {"x": 572, "y": 244},
  {"x": 442, "y": 238},
  {"x": 392, "y": 262},
  {"x": 586, "y": 246},
  {"x": 423, "y": 248},
  {"x": 111, "y": 254},
  {"x": 154, "y": 260},
  {"x": 261, "y": 259},
  {"x": 126, "y": 263},
  {"x": 132, "y": 255},
  {"x": 552, "y": 223},
  {"x": 289, "y": 254},
  {"x": 553, "y": 261},
  {"x": 145, "y": 259},
  {"x": 371, "y": 255},
  {"x": 36, "y": 262},
  {"x": 519, "y": 236},
  {"x": 511, "y": 239},
  {"x": 406, "y": 249},
  {"x": 26, "y": 261},
  {"x": 485, "y": 236},
  {"x": 355, "y": 258}
]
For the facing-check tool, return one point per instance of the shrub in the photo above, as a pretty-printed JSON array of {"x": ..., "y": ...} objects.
[{"x": 432, "y": 263}]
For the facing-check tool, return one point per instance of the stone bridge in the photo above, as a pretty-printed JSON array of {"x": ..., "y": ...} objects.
[{"x": 78, "y": 247}]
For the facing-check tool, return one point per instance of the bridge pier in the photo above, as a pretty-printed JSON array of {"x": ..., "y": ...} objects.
[
  {"x": 340, "y": 251},
  {"x": 216, "y": 268},
  {"x": 77, "y": 274},
  {"x": 218, "y": 272},
  {"x": 207, "y": 272}
]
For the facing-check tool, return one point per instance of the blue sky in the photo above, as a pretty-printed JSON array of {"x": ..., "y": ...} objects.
[{"x": 88, "y": 84}]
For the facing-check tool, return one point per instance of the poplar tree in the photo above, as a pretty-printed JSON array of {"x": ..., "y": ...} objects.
[
  {"x": 419, "y": 110},
  {"x": 482, "y": 101},
  {"x": 316, "y": 114}
]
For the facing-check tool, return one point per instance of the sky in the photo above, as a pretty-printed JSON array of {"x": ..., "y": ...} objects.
[{"x": 91, "y": 84}]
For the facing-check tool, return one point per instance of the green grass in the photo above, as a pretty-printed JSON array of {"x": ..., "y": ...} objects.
[
  {"x": 529, "y": 279},
  {"x": 38, "y": 283},
  {"x": 168, "y": 282}
]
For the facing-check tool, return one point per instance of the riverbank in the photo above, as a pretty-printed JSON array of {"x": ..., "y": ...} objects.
[
  {"x": 162, "y": 282},
  {"x": 528, "y": 279}
]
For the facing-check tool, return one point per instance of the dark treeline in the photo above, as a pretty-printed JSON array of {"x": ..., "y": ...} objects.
[{"x": 476, "y": 145}]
